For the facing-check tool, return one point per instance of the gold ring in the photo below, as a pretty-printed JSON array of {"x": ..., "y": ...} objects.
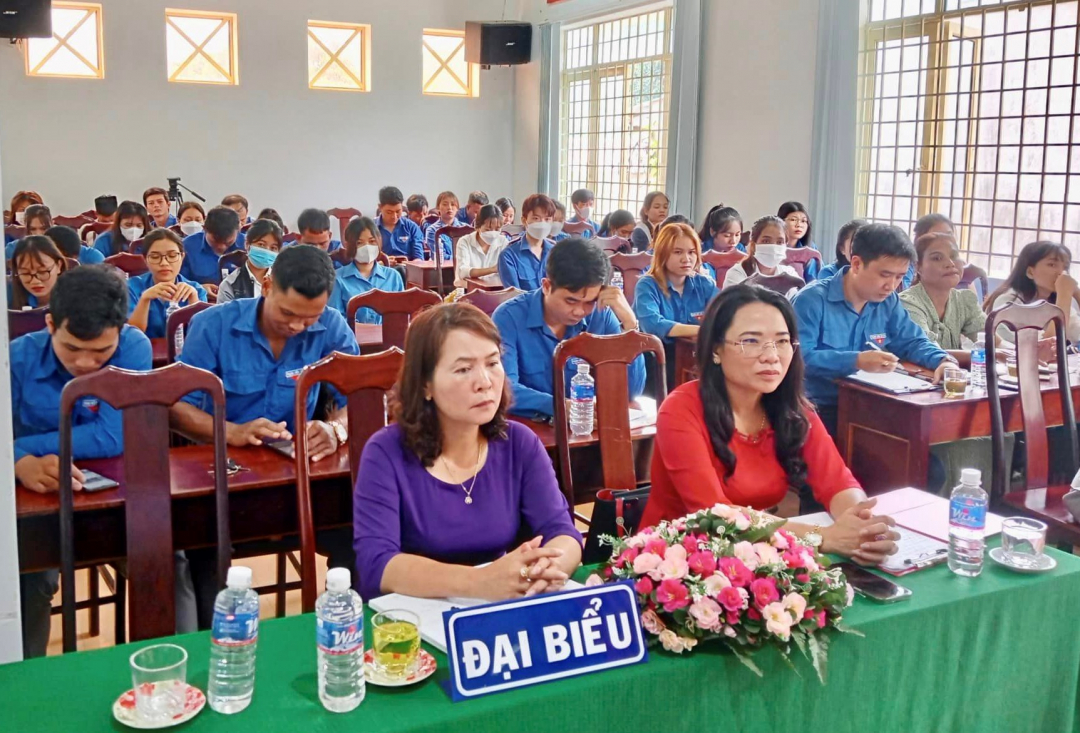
[{"x": 524, "y": 572}]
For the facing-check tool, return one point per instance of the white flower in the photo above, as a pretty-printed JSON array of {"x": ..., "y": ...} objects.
[
  {"x": 767, "y": 554},
  {"x": 746, "y": 552},
  {"x": 796, "y": 604},
  {"x": 777, "y": 620},
  {"x": 716, "y": 583}
]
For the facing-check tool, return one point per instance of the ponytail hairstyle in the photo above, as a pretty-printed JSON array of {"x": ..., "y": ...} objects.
[
  {"x": 717, "y": 221},
  {"x": 750, "y": 264}
]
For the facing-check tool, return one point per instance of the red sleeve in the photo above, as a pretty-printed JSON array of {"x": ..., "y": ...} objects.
[
  {"x": 683, "y": 445},
  {"x": 826, "y": 472}
]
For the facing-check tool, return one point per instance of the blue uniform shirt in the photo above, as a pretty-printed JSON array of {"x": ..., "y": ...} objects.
[
  {"x": 201, "y": 261},
  {"x": 351, "y": 283},
  {"x": 658, "y": 313},
  {"x": 155, "y": 318},
  {"x": 832, "y": 334},
  {"x": 810, "y": 272},
  {"x": 519, "y": 267},
  {"x": 405, "y": 241},
  {"x": 104, "y": 244},
  {"x": 31, "y": 299},
  {"x": 829, "y": 270},
  {"x": 447, "y": 246},
  {"x": 38, "y": 378},
  {"x": 334, "y": 246},
  {"x": 529, "y": 346},
  {"x": 227, "y": 341},
  {"x": 90, "y": 256}
]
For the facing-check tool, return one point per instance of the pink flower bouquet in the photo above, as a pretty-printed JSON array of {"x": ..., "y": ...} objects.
[{"x": 734, "y": 575}]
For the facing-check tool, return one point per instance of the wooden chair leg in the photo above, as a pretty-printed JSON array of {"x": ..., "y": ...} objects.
[
  {"x": 279, "y": 594},
  {"x": 95, "y": 601},
  {"x": 120, "y": 607}
]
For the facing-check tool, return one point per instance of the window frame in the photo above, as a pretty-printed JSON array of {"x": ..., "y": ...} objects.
[
  {"x": 93, "y": 10},
  {"x": 233, "y": 74},
  {"x": 473, "y": 73},
  {"x": 363, "y": 30}
]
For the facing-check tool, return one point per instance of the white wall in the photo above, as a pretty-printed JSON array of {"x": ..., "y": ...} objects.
[{"x": 270, "y": 138}]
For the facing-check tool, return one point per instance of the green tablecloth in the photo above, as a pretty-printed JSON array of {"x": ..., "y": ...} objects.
[{"x": 996, "y": 653}]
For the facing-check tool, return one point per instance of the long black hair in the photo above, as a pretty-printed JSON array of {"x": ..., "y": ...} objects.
[
  {"x": 717, "y": 221},
  {"x": 785, "y": 407},
  {"x": 1031, "y": 255},
  {"x": 127, "y": 210},
  {"x": 847, "y": 232},
  {"x": 791, "y": 207}
]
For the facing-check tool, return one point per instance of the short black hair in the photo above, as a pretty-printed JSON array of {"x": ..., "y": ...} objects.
[
  {"x": 66, "y": 240},
  {"x": 875, "y": 241},
  {"x": 416, "y": 202},
  {"x": 313, "y": 220},
  {"x": 575, "y": 263},
  {"x": 390, "y": 195},
  {"x": 88, "y": 300},
  {"x": 222, "y": 222},
  {"x": 488, "y": 211},
  {"x": 105, "y": 205},
  {"x": 304, "y": 268},
  {"x": 477, "y": 197},
  {"x": 262, "y": 227},
  {"x": 582, "y": 196},
  {"x": 271, "y": 215}
]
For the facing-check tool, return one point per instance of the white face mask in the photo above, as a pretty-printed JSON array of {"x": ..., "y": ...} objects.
[
  {"x": 191, "y": 227},
  {"x": 489, "y": 238},
  {"x": 770, "y": 255},
  {"x": 539, "y": 229},
  {"x": 20, "y": 217},
  {"x": 556, "y": 228},
  {"x": 367, "y": 253},
  {"x": 131, "y": 233},
  {"x": 585, "y": 213}
]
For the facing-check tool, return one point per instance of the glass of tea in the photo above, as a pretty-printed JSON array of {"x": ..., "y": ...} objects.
[
  {"x": 956, "y": 383},
  {"x": 396, "y": 641}
]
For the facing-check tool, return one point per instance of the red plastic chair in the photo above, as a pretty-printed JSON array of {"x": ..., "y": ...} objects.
[
  {"x": 632, "y": 268},
  {"x": 396, "y": 309},
  {"x": 489, "y": 300}
]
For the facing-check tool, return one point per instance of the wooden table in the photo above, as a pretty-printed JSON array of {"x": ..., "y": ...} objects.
[{"x": 421, "y": 274}]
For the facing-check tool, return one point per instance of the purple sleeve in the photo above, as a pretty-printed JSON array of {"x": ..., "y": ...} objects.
[
  {"x": 376, "y": 513},
  {"x": 543, "y": 506}
]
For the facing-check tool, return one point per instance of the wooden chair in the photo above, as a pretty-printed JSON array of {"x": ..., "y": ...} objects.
[
  {"x": 489, "y": 300},
  {"x": 344, "y": 216},
  {"x": 181, "y": 319},
  {"x": 454, "y": 233},
  {"x": 798, "y": 258},
  {"x": 474, "y": 283},
  {"x": 722, "y": 262},
  {"x": 632, "y": 268},
  {"x": 290, "y": 238},
  {"x": 21, "y": 323},
  {"x": 430, "y": 219},
  {"x": 71, "y": 221},
  {"x": 781, "y": 283},
  {"x": 14, "y": 231},
  {"x": 364, "y": 381},
  {"x": 576, "y": 228},
  {"x": 232, "y": 260},
  {"x": 396, "y": 309},
  {"x": 145, "y": 399},
  {"x": 71, "y": 262},
  {"x": 609, "y": 356},
  {"x": 136, "y": 247},
  {"x": 128, "y": 263},
  {"x": 613, "y": 245},
  {"x": 977, "y": 276},
  {"x": 91, "y": 231}
]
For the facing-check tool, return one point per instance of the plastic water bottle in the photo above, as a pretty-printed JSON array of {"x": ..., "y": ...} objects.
[
  {"x": 616, "y": 279},
  {"x": 967, "y": 524},
  {"x": 339, "y": 630},
  {"x": 232, "y": 643},
  {"x": 978, "y": 366},
  {"x": 179, "y": 337},
  {"x": 582, "y": 401}
]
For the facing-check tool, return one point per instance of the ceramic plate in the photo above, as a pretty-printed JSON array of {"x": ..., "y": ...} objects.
[
  {"x": 1045, "y": 562},
  {"x": 425, "y": 667},
  {"x": 124, "y": 710}
]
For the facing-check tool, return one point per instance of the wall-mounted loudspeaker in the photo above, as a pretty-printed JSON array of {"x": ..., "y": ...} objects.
[
  {"x": 498, "y": 44},
  {"x": 25, "y": 19}
]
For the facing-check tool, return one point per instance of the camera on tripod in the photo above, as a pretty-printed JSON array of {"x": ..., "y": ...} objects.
[{"x": 174, "y": 191}]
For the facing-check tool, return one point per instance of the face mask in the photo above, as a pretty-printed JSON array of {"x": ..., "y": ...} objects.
[
  {"x": 131, "y": 233},
  {"x": 585, "y": 213},
  {"x": 261, "y": 257},
  {"x": 20, "y": 217},
  {"x": 489, "y": 237},
  {"x": 190, "y": 227},
  {"x": 367, "y": 253},
  {"x": 556, "y": 228},
  {"x": 770, "y": 255},
  {"x": 539, "y": 229}
]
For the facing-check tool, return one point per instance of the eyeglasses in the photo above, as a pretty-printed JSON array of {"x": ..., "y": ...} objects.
[
  {"x": 797, "y": 220},
  {"x": 753, "y": 348},
  {"x": 39, "y": 275},
  {"x": 156, "y": 258}
]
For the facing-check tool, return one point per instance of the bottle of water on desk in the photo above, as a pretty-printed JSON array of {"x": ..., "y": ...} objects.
[
  {"x": 978, "y": 366},
  {"x": 232, "y": 643},
  {"x": 967, "y": 524},
  {"x": 617, "y": 279},
  {"x": 339, "y": 631},
  {"x": 171, "y": 308},
  {"x": 582, "y": 401}
]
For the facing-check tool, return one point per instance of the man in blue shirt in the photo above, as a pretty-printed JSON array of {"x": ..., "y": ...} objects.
[
  {"x": 221, "y": 234},
  {"x": 400, "y": 236},
  {"x": 467, "y": 217},
  {"x": 582, "y": 201},
  {"x": 314, "y": 227},
  {"x": 839, "y": 318},
  {"x": 522, "y": 263},
  {"x": 86, "y": 331},
  {"x": 573, "y": 299},
  {"x": 156, "y": 201},
  {"x": 416, "y": 207},
  {"x": 447, "y": 206}
]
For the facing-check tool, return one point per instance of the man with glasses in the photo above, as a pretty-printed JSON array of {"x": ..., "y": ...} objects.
[{"x": 221, "y": 234}]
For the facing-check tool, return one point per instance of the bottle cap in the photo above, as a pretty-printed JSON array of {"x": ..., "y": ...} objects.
[
  {"x": 971, "y": 476},
  {"x": 583, "y": 367},
  {"x": 338, "y": 579},
  {"x": 239, "y": 577}
]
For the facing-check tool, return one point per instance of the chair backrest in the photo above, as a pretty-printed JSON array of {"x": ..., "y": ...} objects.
[
  {"x": 799, "y": 257},
  {"x": 431, "y": 218},
  {"x": 136, "y": 247},
  {"x": 1028, "y": 321},
  {"x": 455, "y": 233},
  {"x": 290, "y": 238},
  {"x": 144, "y": 398},
  {"x": 344, "y": 216},
  {"x": 781, "y": 283},
  {"x": 364, "y": 381},
  {"x": 512, "y": 230},
  {"x": 609, "y": 357},
  {"x": 489, "y": 300},
  {"x": 90, "y": 231},
  {"x": 722, "y": 262},
  {"x": 613, "y": 245},
  {"x": 230, "y": 260},
  {"x": 21, "y": 323},
  {"x": 181, "y": 319},
  {"x": 14, "y": 231},
  {"x": 976, "y": 275},
  {"x": 574, "y": 228},
  {"x": 128, "y": 263},
  {"x": 632, "y": 268},
  {"x": 396, "y": 309},
  {"x": 70, "y": 221},
  {"x": 71, "y": 262}
]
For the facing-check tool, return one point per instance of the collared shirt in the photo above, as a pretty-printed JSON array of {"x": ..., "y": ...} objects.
[
  {"x": 227, "y": 341},
  {"x": 471, "y": 256},
  {"x": 155, "y": 317},
  {"x": 334, "y": 246},
  {"x": 31, "y": 299},
  {"x": 171, "y": 221},
  {"x": 588, "y": 233},
  {"x": 963, "y": 316},
  {"x": 658, "y": 313},
  {"x": 350, "y": 282},
  {"x": 90, "y": 256},
  {"x": 405, "y": 241},
  {"x": 829, "y": 270},
  {"x": 832, "y": 335},
  {"x": 227, "y": 290},
  {"x": 519, "y": 267},
  {"x": 38, "y": 378},
  {"x": 462, "y": 218},
  {"x": 447, "y": 246},
  {"x": 201, "y": 261},
  {"x": 529, "y": 346}
]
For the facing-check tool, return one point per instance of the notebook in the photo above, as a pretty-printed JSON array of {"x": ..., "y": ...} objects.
[{"x": 895, "y": 382}]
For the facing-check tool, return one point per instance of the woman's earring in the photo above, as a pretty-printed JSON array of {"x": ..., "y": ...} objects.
[{"x": 716, "y": 359}]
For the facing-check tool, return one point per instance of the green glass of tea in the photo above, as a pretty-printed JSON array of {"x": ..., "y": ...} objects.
[{"x": 396, "y": 641}]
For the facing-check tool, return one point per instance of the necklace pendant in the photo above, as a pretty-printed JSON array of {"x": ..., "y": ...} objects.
[{"x": 468, "y": 500}]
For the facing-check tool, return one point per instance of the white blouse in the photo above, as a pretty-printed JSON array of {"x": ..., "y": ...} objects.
[
  {"x": 471, "y": 256},
  {"x": 1072, "y": 331},
  {"x": 738, "y": 273}
]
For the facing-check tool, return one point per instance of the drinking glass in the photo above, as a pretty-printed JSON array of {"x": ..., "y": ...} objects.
[
  {"x": 159, "y": 677},
  {"x": 1023, "y": 541},
  {"x": 396, "y": 640},
  {"x": 956, "y": 382}
]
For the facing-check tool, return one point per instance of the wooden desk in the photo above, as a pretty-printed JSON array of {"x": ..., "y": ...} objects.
[
  {"x": 421, "y": 274},
  {"x": 369, "y": 337},
  {"x": 685, "y": 360}
]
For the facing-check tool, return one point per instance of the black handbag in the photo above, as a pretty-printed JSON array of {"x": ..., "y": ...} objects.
[{"x": 615, "y": 513}]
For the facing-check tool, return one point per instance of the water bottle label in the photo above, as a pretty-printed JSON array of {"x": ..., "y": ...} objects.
[
  {"x": 339, "y": 638},
  {"x": 235, "y": 629},
  {"x": 967, "y": 513},
  {"x": 582, "y": 391}
]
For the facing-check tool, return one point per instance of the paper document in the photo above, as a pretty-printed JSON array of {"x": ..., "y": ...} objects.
[
  {"x": 644, "y": 414},
  {"x": 912, "y": 549},
  {"x": 894, "y": 382}
]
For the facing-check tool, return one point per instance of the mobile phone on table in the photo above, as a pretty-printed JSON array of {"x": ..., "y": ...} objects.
[
  {"x": 97, "y": 482},
  {"x": 873, "y": 586},
  {"x": 286, "y": 448}
]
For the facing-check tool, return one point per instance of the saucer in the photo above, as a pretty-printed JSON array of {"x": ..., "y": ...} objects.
[
  {"x": 124, "y": 710},
  {"x": 425, "y": 667},
  {"x": 1045, "y": 562}
]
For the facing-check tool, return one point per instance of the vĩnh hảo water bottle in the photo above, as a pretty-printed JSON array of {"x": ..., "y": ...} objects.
[
  {"x": 978, "y": 366},
  {"x": 233, "y": 639},
  {"x": 339, "y": 632},
  {"x": 967, "y": 524},
  {"x": 171, "y": 308},
  {"x": 582, "y": 401}
]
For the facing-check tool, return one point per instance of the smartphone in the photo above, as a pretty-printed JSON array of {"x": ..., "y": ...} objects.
[
  {"x": 286, "y": 448},
  {"x": 873, "y": 586},
  {"x": 97, "y": 482}
]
